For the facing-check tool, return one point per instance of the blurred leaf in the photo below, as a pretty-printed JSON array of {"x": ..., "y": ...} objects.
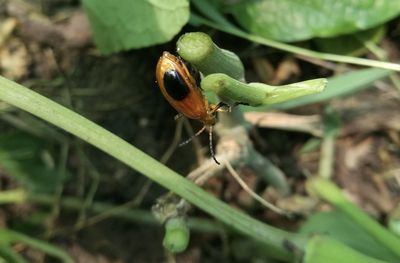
[
  {"x": 394, "y": 226},
  {"x": 393, "y": 220},
  {"x": 9, "y": 255},
  {"x": 125, "y": 24},
  {"x": 10, "y": 236},
  {"x": 351, "y": 44},
  {"x": 332, "y": 122},
  {"x": 341, "y": 85},
  {"x": 311, "y": 145},
  {"x": 340, "y": 227},
  {"x": 294, "y": 20},
  {"x": 20, "y": 157}
]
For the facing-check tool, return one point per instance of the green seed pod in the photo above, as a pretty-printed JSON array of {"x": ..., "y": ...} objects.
[{"x": 177, "y": 235}]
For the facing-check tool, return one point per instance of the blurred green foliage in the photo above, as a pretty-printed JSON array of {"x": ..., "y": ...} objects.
[
  {"x": 126, "y": 24},
  {"x": 28, "y": 160},
  {"x": 295, "y": 20}
]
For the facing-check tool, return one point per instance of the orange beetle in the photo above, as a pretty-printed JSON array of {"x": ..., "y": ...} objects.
[{"x": 180, "y": 88}]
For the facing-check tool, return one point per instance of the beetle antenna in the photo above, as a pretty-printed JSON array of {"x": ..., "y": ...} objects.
[
  {"x": 210, "y": 143},
  {"x": 192, "y": 137}
]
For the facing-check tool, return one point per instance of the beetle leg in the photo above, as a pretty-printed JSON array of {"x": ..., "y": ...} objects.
[
  {"x": 191, "y": 137},
  {"x": 219, "y": 106},
  {"x": 228, "y": 108}
]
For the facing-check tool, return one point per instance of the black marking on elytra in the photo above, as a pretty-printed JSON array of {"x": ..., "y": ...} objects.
[{"x": 175, "y": 85}]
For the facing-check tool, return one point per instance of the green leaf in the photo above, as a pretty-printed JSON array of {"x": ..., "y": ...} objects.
[
  {"x": 20, "y": 157},
  {"x": 11, "y": 236},
  {"x": 351, "y": 44},
  {"x": 125, "y": 24},
  {"x": 342, "y": 85},
  {"x": 338, "y": 226},
  {"x": 328, "y": 250},
  {"x": 294, "y": 20}
]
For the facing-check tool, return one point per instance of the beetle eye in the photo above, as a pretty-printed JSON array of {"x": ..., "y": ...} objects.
[{"x": 175, "y": 86}]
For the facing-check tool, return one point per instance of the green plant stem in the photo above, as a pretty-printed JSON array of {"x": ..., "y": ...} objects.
[
  {"x": 10, "y": 236},
  {"x": 90, "y": 132},
  {"x": 207, "y": 10},
  {"x": 338, "y": 86},
  {"x": 327, "y": 156},
  {"x": 322, "y": 249},
  {"x": 120, "y": 212},
  {"x": 319, "y": 55},
  {"x": 258, "y": 94},
  {"x": 381, "y": 55},
  {"x": 269, "y": 172},
  {"x": 125, "y": 213},
  {"x": 95, "y": 175},
  {"x": 199, "y": 49},
  {"x": 329, "y": 192},
  {"x": 331, "y": 129},
  {"x": 55, "y": 210}
]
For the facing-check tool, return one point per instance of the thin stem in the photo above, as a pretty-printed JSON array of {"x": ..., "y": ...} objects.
[
  {"x": 269, "y": 172},
  {"x": 107, "y": 213},
  {"x": 55, "y": 211},
  {"x": 175, "y": 142},
  {"x": 252, "y": 193},
  {"x": 297, "y": 50},
  {"x": 332, "y": 123},
  {"x": 91, "y": 193},
  {"x": 199, "y": 49},
  {"x": 123, "y": 212},
  {"x": 72, "y": 122},
  {"x": 327, "y": 156},
  {"x": 163, "y": 159},
  {"x": 381, "y": 55}
]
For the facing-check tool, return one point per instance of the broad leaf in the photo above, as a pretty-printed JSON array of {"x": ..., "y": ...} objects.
[
  {"x": 126, "y": 24},
  {"x": 351, "y": 44},
  {"x": 338, "y": 226},
  {"x": 294, "y": 20}
]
